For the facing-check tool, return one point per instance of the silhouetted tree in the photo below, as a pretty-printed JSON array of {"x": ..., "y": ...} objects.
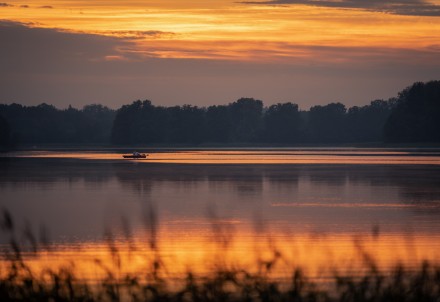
[
  {"x": 416, "y": 116},
  {"x": 5, "y": 133},
  {"x": 185, "y": 124},
  {"x": 327, "y": 123},
  {"x": 246, "y": 116},
  {"x": 98, "y": 123},
  {"x": 282, "y": 123},
  {"x": 144, "y": 123},
  {"x": 365, "y": 124},
  {"x": 132, "y": 123},
  {"x": 218, "y": 124},
  {"x": 47, "y": 124},
  {"x": 141, "y": 122}
]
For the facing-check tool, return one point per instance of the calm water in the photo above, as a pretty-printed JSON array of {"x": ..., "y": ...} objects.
[{"x": 318, "y": 207}]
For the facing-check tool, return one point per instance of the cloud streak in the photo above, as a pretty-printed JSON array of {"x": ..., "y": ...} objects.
[
  {"x": 397, "y": 7},
  {"x": 3, "y": 4},
  {"x": 139, "y": 34}
]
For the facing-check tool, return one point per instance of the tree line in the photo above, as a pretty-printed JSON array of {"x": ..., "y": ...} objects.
[
  {"x": 248, "y": 121},
  {"x": 45, "y": 124},
  {"x": 413, "y": 116}
]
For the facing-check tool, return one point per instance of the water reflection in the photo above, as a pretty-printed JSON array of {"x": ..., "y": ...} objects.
[
  {"x": 303, "y": 192},
  {"x": 413, "y": 183},
  {"x": 310, "y": 211}
]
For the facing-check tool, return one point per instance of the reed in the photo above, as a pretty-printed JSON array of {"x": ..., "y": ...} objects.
[{"x": 18, "y": 282}]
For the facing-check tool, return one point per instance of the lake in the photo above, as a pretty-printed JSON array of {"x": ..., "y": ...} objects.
[{"x": 320, "y": 209}]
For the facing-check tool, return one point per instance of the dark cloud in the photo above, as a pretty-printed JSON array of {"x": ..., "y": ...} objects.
[
  {"x": 398, "y": 7},
  {"x": 139, "y": 34},
  {"x": 46, "y": 6},
  {"x": 11, "y": 5},
  {"x": 26, "y": 47}
]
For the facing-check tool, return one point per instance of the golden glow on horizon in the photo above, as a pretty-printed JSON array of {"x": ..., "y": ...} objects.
[{"x": 229, "y": 30}]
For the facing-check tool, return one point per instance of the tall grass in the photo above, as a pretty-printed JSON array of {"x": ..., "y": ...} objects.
[{"x": 19, "y": 282}]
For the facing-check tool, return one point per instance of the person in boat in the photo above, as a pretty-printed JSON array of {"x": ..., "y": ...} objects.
[{"x": 136, "y": 154}]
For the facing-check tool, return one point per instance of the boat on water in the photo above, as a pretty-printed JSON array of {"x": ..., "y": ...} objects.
[{"x": 135, "y": 155}]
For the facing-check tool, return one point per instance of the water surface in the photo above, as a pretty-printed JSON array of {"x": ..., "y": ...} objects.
[{"x": 318, "y": 207}]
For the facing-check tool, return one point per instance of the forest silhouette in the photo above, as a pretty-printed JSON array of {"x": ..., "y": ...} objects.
[{"x": 411, "y": 117}]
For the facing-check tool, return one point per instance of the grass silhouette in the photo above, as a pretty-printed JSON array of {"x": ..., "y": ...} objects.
[{"x": 19, "y": 282}]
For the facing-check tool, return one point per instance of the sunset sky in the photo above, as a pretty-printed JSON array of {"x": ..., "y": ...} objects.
[{"x": 214, "y": 52}]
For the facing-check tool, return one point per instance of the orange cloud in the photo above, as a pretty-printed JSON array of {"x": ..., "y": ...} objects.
[{"x": 232, "y": 32}]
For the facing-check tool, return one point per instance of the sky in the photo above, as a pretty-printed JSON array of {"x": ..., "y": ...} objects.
[{"x": 209, "y": 52}]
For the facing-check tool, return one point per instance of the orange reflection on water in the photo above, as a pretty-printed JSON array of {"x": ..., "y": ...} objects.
[
  {"x": 181, "y": 252},
  {"x": 331, "y": 156}
]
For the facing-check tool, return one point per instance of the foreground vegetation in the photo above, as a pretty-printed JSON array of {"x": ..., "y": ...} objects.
[
  {"x": 412, "y": 117},
  {"x": 18, "y": 282}
]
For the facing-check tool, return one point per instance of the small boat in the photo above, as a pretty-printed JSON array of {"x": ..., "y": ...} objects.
[{"x": 135, "y": 155}]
